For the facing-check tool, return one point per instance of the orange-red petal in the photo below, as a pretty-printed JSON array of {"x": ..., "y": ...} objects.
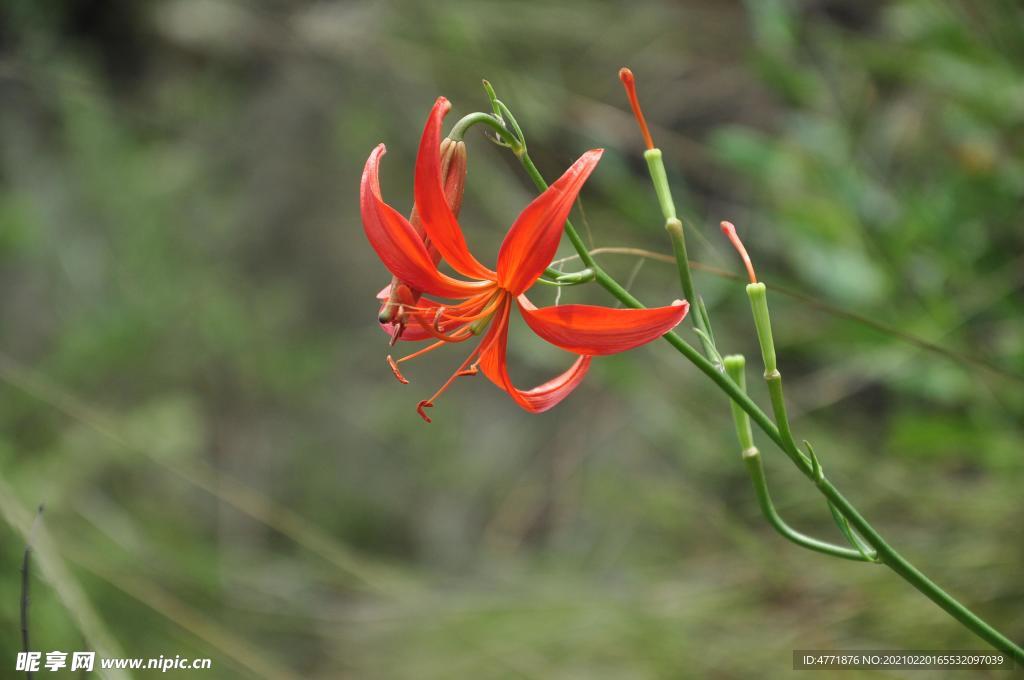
[
  {"x": 434, "y": 212},
  {"x": 589, "y": 329},
  {"x": 398, "y": 245},
  {"x": 493, "y": 363},
  {"x": 531, "y": 242}
]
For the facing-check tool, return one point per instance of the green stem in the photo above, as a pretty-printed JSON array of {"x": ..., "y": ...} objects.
[
  {"x": 886, "y": 553},
  {"x": 675, "y": 231},
  {"x": 774, "y": 382},
  {"x": 752, "y": 460},
  {"x": 674, "y": 227},
  {"x": 459, "y": 129},
  {"x": 758, "y": 295},
  {"x": 560, "y": 284},
  {"x": 899, "y": 564},
  {"x": 659, "y": 178},
  {"x": 736, "y": 368}
]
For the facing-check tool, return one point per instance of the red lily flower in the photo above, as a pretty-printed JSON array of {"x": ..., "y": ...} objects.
[{"x": 485, "y": 302}]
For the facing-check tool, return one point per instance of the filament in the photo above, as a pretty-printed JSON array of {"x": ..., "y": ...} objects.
[{"x": 467, "y": 368}]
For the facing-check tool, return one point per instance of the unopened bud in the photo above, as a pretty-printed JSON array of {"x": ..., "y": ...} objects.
[{"x": 453, "y": 168}]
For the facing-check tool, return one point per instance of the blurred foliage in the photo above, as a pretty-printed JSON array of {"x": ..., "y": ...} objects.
[{"x": 192, "y": 382}]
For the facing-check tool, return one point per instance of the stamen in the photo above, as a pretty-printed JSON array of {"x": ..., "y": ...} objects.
[
  {"x": 474, "y": 308},
  {"x": 460, "y": 335},
  {"x": 420, "y": 352},
  {"x": 730, "y": 232},
  {"x": 393, "y": 363},
  {"x": 467, "y": 368},
  {"x": 626, "y": 76},
  {"x": 474, "y": 311},
  {"x": 394, "y": 369},
  {"x": 459, "y": 372},
  {"x": 396, "y": 333}
]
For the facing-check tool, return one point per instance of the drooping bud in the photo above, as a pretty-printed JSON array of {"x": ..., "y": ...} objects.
[
  {"x": 757, "y": 292},
  {"x": 730, "y": 233},
  {"x": 629, "y": 82},
  {"x": 655, "y": 163},
  {"x": 454, "y": 162}
]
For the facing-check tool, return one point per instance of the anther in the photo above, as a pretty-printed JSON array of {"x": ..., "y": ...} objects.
[
  {"x": 394, "y": 369},
  {"x": 437, "y": 319},
  {"x": 422, "y": 405},
  {"x": 396, "y": 333}
]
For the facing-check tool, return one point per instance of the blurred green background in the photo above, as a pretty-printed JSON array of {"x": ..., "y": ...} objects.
[{"x": 192, "y": 381}]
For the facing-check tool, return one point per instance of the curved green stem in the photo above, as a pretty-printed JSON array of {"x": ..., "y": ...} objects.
[
  {"x": 560, "y": 284},
  {"x": 463, "y": 124},
  {"x": 885, "y": 553},
  {"x": 752, "y": 460},
  {"x": 778, "y": 400},
  {"x": 735, "y": 368}
]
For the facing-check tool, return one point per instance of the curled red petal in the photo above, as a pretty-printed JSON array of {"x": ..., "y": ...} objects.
[
  {"x": 398, "y": 245},
  {"x": 494, "y": 365},
  {"x": 434, "y": 212},
  {"x": 589, "y": 329},
  {"x": 532, "y": 240}
]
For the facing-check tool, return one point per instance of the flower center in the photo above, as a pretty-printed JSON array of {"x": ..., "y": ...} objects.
[{"x": 454, "y": 324}]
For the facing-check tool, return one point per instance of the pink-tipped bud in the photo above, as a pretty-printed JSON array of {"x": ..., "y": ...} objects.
[
  {"x": 626, "y": 76},
  {"x": 730, "y": 232}
]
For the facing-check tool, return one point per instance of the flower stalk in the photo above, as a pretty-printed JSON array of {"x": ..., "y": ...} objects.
[
  {"x": 673, "y": 225},
  {"x": 883, "y": 552},
  {"x": 496, "y": 126},
  {"x": 735, "y": 368},
  {"x": 757, "y": 293}
]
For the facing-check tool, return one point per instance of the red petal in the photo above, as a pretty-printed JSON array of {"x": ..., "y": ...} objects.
[
  {"x": 541, "y": 398},
  {"x": 434, "y": 212},
  {"x": 588, "y": 329},
  {"x": 532, "y": 241},
  {"x": 398, "y": 245}
]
